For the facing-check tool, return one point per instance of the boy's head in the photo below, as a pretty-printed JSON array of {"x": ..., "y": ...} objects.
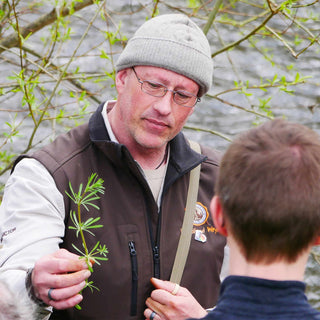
[{"x": 269, "y": 191}]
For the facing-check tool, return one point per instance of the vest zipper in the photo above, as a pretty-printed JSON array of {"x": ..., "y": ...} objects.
[
  {"x": 156, "y": 260},
  {"x": 134, "y": 278}
]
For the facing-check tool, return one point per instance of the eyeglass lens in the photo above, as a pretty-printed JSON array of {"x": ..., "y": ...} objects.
[{"x": 156, "y": 89}]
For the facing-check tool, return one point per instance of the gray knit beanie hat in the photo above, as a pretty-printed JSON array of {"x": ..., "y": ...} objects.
[{"x": 172, "y": 42}]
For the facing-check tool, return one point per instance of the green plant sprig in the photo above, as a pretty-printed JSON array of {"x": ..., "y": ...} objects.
[{"x": 85, "y": 197}]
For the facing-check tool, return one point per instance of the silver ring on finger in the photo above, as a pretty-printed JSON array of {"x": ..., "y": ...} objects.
[
  {"x": 49, "y": 294},
  {"x": 152, "y": 315}
]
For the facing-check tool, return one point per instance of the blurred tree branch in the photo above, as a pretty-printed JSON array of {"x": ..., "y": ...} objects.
[{"x": 12, "y": 40}]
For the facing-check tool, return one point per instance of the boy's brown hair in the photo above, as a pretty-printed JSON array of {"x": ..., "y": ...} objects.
[{"x": 269, "y": 189}]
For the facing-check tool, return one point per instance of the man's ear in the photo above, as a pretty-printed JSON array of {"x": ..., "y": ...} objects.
[
  {"x": 121, "y": 79},
  {"x": 217, "y": 216}
]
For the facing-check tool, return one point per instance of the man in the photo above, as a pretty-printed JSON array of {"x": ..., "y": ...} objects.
[
  {"x": 135, "y": 145},
  {"x": 268, "y": 205}
]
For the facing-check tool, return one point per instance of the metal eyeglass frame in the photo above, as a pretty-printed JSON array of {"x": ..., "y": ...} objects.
[{"x": 165, "y": 91}]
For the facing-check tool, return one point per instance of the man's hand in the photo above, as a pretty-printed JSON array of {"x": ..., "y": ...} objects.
[
  {"x": 65, "y": 273},
  {"x": 168, "y": 306}
]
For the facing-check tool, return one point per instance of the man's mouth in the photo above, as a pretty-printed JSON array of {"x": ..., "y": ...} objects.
[{"x": 157, "y": 123}]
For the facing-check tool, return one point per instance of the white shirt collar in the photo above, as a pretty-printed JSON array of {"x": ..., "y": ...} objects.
[{"x": 104, "y": 114}]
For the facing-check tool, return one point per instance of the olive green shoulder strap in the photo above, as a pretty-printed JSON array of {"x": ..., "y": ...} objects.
[{"x": 186, "y": 231}]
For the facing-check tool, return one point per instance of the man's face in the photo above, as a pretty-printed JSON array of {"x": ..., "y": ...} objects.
[{"x": 146, "y": 120}]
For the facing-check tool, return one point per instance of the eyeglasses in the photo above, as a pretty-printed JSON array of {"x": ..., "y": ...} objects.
[{"x": 156, "y": 89}]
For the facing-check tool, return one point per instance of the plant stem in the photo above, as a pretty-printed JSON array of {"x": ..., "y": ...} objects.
[{"x": 82, "y": 235}]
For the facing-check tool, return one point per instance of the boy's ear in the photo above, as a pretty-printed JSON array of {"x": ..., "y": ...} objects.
[
  {"x": 317, "y": 242},
  {"x": 217, "y": 216}
]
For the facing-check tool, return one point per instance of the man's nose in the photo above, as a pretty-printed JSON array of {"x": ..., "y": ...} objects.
[{"x": 164, "y": 104}]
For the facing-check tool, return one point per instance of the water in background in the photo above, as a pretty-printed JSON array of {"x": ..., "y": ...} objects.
[{"x": 211, "y": 114}]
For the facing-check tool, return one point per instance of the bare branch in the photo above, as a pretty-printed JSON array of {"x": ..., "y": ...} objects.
[
  {"x": 282, "y": 40},
  {"x": 13, "y": 39},
  {"x": 216, "y": 133},
  {"x": 212, "y": 16},
  {"x": 59, "y": 80},
  {"x": 233, "y": 44},
  {"x": 242, "y": 108}
]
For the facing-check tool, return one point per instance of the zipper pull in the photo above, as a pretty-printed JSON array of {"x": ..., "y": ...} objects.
[
  {"x": 132, "y": 249},
  {"x": 156, "y": 260}
]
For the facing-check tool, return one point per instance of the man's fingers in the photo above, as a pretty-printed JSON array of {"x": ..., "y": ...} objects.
[
  {"x": 65, "y": 254},
  {"x": 67, "y": 303},
  {"x": 67, "y": 280},
  {"x": 62, "y": 265},
  {"x": 168, "y": 286},
  {"x": 58, "y": 281},
  {"x": 148, "y": 312},
  {"x": 63, "y": 286},
  {"x": 61, "y": 261},
  {"x": 57, "y": 294},
  {"x": 62, "y": 272},
  {"x": 155, "y": 306},
  {"x": 159, "y": 284}
]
